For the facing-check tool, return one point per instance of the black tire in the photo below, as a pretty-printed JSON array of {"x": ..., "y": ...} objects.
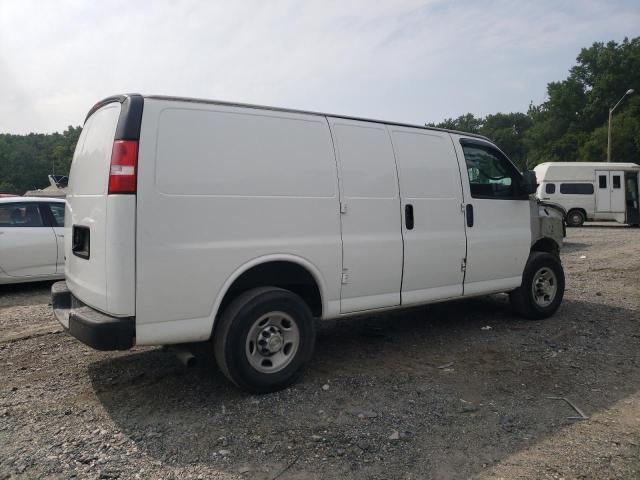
[
  {"x": 535, "y": 307},
  {"x": 575, "y": 218},
  {"x": 231, "y": 338}
]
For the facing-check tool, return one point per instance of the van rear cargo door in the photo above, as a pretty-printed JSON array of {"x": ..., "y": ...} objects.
[{"x": 100, "y": 228}]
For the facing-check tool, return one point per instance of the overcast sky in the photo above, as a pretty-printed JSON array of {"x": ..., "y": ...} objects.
[{"x": 403, "y": 60}]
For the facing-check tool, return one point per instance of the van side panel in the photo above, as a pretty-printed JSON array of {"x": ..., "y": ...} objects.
[
  {"x": 218, "y": 187},
  {"x": 568, "y": 201}
]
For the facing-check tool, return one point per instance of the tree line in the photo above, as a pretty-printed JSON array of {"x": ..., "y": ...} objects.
[
  {"x": 571, "y": 125},
  {"x": 27, "y": 160}
]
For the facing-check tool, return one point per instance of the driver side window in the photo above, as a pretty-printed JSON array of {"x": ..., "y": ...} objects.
[{"x": 491, "y": 174}]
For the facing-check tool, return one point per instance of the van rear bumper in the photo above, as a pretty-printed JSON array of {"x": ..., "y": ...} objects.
[{"x": 91, "y": 327}]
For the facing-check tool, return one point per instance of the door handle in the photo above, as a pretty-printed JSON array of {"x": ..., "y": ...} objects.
[
  {"x": 408, "y": 216},
  {"x": 469, "y": 215}
]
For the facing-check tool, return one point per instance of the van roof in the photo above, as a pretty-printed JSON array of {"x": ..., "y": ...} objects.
[
  {"x": 612, "y": 165},
  {"x": 120, "y": 98},
  {"x": 577, "y": 171}
]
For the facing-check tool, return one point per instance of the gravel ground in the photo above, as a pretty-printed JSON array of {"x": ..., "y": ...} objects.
[{"x": 458, "y": 390}]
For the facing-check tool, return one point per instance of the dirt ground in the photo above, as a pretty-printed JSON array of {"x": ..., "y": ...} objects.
[{"x": 458, "y": 390}]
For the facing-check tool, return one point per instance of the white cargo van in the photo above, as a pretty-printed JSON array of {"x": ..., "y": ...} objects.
[
  {"x": 591, "y": 190},
  {"x": 194, "y": 221}
]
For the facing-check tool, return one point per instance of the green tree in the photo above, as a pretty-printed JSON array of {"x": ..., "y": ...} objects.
[
  {"x": 508, "y": 131},
  {"x": 27, "y": 160},
  {"x": 464, "y": 123},
  {"x": 568, "y": 126}
]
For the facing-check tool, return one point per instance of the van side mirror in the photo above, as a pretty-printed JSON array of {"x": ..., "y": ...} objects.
[{"x": 529, "y": 182}]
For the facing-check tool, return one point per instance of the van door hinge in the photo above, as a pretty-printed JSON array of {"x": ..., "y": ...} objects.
[
  {"x": 345, "y": 277},
  {"x": 463, "y": 265},
  {"x": 343, "y": 207},
  {"x": 462, "y": 207}
]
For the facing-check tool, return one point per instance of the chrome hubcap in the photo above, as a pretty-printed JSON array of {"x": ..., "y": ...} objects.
[
  {"x": 272, "y": 342},
  {"x": 544, "y": 287}
]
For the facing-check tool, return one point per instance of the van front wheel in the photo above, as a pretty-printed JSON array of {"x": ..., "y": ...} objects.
[
  {"x": 264, "y": 339},
  {"x": 542, "y": 288}
]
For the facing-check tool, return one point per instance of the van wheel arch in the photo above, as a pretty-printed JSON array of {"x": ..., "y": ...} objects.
[
  {"x": 547, "y": 245},
  {"x": 285, "y": 274}
]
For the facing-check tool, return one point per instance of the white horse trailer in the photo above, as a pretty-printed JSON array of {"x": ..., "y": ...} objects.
[{"x": 591, "y": 190}]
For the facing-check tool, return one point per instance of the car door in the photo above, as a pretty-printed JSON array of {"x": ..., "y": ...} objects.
[
  {"x": 433, "y": 227},
  {"x": 56, "y": 219},
  {"x": 370, "y": 215},
  {"x": 27, "y": 244},
  {"x": 498, "y": 217}
]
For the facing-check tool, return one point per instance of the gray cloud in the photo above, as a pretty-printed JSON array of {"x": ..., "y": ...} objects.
[{"x": 406, "y": 60}]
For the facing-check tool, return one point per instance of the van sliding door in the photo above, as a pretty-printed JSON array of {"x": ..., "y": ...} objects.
[
  {"x": 433, "y": 226},
  {"x": 370, "y": 216}
]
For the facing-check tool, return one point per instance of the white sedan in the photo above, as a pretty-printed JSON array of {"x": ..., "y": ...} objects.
[{"x": 31, "y": 239}]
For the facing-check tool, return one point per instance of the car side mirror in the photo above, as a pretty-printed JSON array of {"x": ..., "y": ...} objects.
[{"x": 529, "y": 182}]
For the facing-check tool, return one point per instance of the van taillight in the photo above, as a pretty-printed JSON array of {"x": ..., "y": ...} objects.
[{"x": 124, "y": 164}]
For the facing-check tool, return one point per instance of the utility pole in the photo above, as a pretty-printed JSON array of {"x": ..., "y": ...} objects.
[{"x": 628, "y": 92}]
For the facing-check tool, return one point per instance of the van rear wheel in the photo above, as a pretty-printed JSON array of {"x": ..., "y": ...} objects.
[
  {"x": 264, "y": 339},
  {"x": 542, "y": 288},
  {"x": 575, "y": 218}
]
